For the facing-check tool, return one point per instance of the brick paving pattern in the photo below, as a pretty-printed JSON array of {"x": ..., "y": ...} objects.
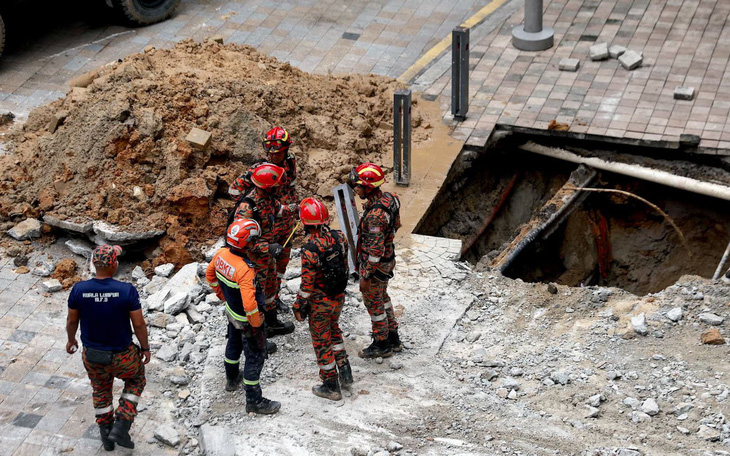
[
  {"x": 319, "y": 36},
  {"x": 681, "y": 41}
]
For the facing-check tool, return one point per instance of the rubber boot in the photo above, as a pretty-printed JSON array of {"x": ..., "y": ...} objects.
[
  {"x": 120, "y": 433},
  {"x": 346, "y": 375},
  {"x": 281, "y": 306},
  {"x": 330, "y": 389},
  {"x": 395, "y": 344},
  {"x": 104, "y": 430},
  {"x": 232, "y": 383},
  {"x": 275, "y": 327},
  {"x": 270, "y": 347},
  {"x": 378, "y": 349},
  {"x": 263, "y": 407}
]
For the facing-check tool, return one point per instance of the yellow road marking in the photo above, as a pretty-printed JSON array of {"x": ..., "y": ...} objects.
[{"x": 442, "y": 45}]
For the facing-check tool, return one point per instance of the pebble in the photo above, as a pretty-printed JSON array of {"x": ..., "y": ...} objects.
[
  {"x": 639, "y": 324},
  {"x": 650, "y": 407},
  {"x": 675, "y": 314},
  {"x": 379, "y": 360},
  {"x": 594, "y": 401},
  {"x": 591, "y": 412},
  {"x": 394, "y": 446},
  {"x": 711, "y": 319}
]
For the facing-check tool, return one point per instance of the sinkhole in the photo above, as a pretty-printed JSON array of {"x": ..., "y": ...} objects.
[{"x": 545, "y": 219}]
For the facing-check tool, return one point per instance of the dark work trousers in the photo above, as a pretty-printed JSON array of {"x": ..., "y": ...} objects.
[{"x": 254, "y": 358}]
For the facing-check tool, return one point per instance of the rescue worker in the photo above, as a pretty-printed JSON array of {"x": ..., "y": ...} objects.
[
  {"x": 322, "y": 295},
  {"x": 261, "y": 205},
  {"x": 376, "y": 256},
  {"x": 233, "y": 278},
  {"x": 104, "y": 307},
  {"x": 276, "y": 145}
]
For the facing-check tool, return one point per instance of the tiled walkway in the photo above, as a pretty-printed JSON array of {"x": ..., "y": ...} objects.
[
  {"x": 319, "y": 36},
  {"x": 684, "y": 43}
]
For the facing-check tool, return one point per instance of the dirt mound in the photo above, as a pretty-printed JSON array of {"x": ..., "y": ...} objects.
[{"x": 116, "y": 150}]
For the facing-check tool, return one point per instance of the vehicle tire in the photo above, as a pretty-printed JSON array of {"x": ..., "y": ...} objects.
[
  {"x": 2, "y": 35},
  {"x": 144, "y": 12}
]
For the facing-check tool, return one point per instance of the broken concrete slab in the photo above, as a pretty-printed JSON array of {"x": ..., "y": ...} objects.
[
  {"x": 615, "y": 51},
  {"x": 631, "y": 60},
  {"x": 216, "y": 441},
  {"x": 80, "y": 247},
  {"x": 52, "y": 285},
  {"x": 569, "y": 65},
  {"x": 157, "y": 300},
  {"x": 138, "y": 273},
  {"x": 599, "y": 51},
  {"x": 68, "y": 225},
  {"x": 210, "y": 252},
  {"x": 112, "y": 234},
  {"x": 684, "y": 93},
  {"x": 164, "y": 270},
  {"x": 156, "y": 284},
  {"x": 199, "y": 139},
  {"x": 167, "y": 435},
  {"x": 27, "y": 229}
]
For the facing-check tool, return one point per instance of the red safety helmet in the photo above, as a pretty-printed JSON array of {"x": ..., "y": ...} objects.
[
  {"x": 241, "y": 232},
  {"x": 368, "y": 175},
  {"x": 276, "y": 140},
  {"x": 313, "y": 212},
  {"x": 267, "y": 175}
]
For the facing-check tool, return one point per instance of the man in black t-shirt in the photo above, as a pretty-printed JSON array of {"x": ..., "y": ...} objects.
[{"x": 104, "y": 307}]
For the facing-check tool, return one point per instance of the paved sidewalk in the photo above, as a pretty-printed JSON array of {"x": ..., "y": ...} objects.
[
  {"x": 683, "y": 44},
  {"x": 318, "y": 36},
  {"x": 45, "y": 395}
]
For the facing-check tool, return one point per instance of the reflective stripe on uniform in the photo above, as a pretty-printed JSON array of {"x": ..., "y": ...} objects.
[
  {"x": 233, "y": 192},
  {"x": 304, "y": 294},
  {"x": 328, "y": 366},
  {"x": 248, "y": 314},
  {"x": 380, "y": 317},
  {"x": 388, "y": 305},
  {"x": 130, "y": 397},
  {"x": 250, "y": 382},
  {"x": 213, "y": 284},
  {"x": 232, "y": 361},
  {"x": 226, "y": 281},
  {"x": 103, "y": 410},
  {"x": 338, "y": 347},
  {"x": 373, "y": 259},
  {"x": 235, "y": 315}
]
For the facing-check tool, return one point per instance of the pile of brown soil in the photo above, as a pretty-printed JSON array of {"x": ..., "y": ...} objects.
[{"x": 116, "y": 150}]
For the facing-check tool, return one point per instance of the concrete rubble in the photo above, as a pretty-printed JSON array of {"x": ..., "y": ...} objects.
[{"x": 27, "y": 229}]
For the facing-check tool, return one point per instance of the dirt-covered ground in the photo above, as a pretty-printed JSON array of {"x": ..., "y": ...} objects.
[{"x": 115, "y": 149}]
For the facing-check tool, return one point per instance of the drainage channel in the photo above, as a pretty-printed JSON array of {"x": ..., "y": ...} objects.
[{"x": 523, "y": 213}]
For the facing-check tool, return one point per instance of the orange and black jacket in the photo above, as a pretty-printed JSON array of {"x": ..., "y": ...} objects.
[{"x": 234, "y": 281}]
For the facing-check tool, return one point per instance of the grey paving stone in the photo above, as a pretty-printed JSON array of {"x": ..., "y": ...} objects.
[
  {"x": 569, "y": 65},
  {"x": 22, "y": 336},
  {"x": 27, "y": 420},
  {"x": 57, "y": 382},
  {"x": 631, "y": 60},
  {"x": 684, "y": 93}
]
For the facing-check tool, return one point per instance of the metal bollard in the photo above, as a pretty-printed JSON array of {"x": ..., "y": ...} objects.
[
  {"x": 349, "y": 220},
  {"x": 402, "y": 136},
  {"x": 460, "y": 72},
  {"x": 532, "y": 36}
]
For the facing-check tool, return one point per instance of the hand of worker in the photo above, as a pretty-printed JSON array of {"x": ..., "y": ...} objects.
[
  {"x": 145, "y": 355},
  {"x": 293, "y": 209},
  {"x": 298, "y": 315},
  {"x": 259, "y": 337},
  {"x": 275, "y": 250},
  {"x": 72, "y": 346}
]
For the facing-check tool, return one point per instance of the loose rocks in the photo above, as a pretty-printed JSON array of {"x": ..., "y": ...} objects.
[
  {"x": 675, "y": 314},
  {"x": 27, "y": 229},
  {"x": 639, "y": 324},
  {"x": 167, "y": 435},
  {"x": 711, "y": 319},
  {"x": 712, "y": 337}
]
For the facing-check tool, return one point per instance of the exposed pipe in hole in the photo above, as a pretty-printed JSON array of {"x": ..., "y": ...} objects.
[
  {"x": 718, "y": 271},
  {"x": 564, "y": 203},
  {"x": 491, "y": 217},
  {"x": 637, "y": 171}
]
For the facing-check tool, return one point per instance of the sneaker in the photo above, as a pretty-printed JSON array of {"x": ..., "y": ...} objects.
[
  {"x": 395, "y": 344},
  {"x": 378, "y": 349},
  {"x": 263, "y": 407},
  {"x": 232, "y": 384},
  {"x": 330, "y": 389}
]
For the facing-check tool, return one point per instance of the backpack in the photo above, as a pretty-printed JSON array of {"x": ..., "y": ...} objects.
[{"x": 333, "y": 264}]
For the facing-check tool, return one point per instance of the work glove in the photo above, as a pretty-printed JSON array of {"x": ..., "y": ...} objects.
[
  {"x": 275, "y": 250},
  {"x": 259, "y": 337}
]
